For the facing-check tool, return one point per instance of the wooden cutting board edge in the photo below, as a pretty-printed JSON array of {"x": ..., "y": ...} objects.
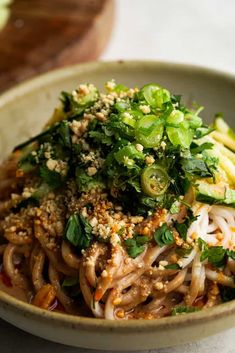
[{"x": 91, "y": 45}]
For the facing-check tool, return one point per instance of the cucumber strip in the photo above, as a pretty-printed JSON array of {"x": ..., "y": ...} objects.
[{"x": 224, "y": 139}]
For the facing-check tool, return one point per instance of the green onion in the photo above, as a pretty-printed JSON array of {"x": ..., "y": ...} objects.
[
  {"x": 181, "y": 135},
  {"x": 155, "y": 95},
  {"x": 149, "y": 131}
]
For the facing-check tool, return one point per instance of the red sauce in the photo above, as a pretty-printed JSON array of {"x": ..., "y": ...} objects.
[{"x": 4, "y": 278}]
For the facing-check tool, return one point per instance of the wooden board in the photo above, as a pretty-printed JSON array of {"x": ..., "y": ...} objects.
[{"x": 45, "y": 34}]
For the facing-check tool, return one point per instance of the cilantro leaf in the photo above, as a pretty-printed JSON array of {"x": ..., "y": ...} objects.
[
  {"x": 70, "y": 281},
  {"x": 164, "y": 236},
  {"x": 136, "y": 245},
  {"x": 85, "y": 182},
  {"x": 182, "y": 228},
  {"x": 231, "y": 254},
  {"x": 216, "y": 255},
  {"x": 51, "y": 177},
  {"x": 172, "y": 267},
  {"x": 78, "y": 231},
  {"x": 64, "y": 134},
  {"x": 195, "y": 149},
  {"x": 184, "y": 310},
  {"x": 196, "y": 167},
  {"x": 100, "y": 137}
]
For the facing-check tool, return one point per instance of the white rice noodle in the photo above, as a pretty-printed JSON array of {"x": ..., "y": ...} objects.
[{"x": 215, "y": 225}]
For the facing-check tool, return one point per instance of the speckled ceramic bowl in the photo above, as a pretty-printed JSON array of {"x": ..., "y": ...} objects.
[{"x": 24, "y": 110}]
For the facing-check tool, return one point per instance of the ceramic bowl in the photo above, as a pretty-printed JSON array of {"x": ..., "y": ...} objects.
[{"x": 24, "y": 110}]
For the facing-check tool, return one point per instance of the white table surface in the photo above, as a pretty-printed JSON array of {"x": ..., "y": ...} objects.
[{"x": 189, "y": 31}]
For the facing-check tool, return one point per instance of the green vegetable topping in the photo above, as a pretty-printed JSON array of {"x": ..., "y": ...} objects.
[
  {"x": 78, "y": 232},
  {"x": 154, "y": 180},
  {"x": 136, "y": 245},
  {"x": 216, "y": 255},
  {"x": 149, "y": 131},
  {"x": 184, "y": 310},
  {"x": 155, "y": 95},
  {"x": 164, "y": 236}
]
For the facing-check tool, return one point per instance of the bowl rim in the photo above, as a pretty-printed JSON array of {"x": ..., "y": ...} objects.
[{"x": 95, "y": 324}]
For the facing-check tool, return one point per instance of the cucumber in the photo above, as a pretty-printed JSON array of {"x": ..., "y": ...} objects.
[{"x": 215, "y": 194}]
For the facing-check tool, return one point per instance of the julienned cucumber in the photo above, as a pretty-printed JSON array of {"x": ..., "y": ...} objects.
[{"x": 215, "y": 194}]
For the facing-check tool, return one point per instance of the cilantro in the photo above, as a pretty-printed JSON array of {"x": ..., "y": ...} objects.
[
  {"x": 35, "y": 138},
  {"x": 71, "y": 286},
  {"x": 182, "y": 228},
  {"x": 231, "y": 254},
  {"x": 135, "y": 183},
  {"x": 196, "y": 167},
  {"x": 70, "y": 281},
  {"x": 51, "y": 177},
  {"x": 216, "y": 255},
  {"x": 64, "y": 134},
  {"x": 184, "y": 310},
  {"x": 203, "y": 131},
  {"x": 136, "y": 245},
  {"x": 78, "y": 231},
  {"x": 100, "y": 137},
  {"x": 85, "y": 182},
  {"x": 172, "y": 267},
  {"x": 30, "y": 201},
  {"x": 164, "y": 236},
  {"x": 182, "y": 252},
  {"x": 195, "y": 149}
]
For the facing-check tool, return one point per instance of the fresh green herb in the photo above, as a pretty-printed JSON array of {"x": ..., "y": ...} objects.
[
  {"x": 64, "y": 134},
  {"x": 231, "y": 254},
  {"x": 172, "y": 267},
  {"x": 78, "y": 231},
  {"x": 136, "y": 245},
  {"x": 100, "y": 137},
  {"x": 202, "y": 131},
  {"x": 184, "y": 310},
  {"x": 35, "y": 138},
  {"x": 196, "y": 168},
  {"x": 216, "y": 255},
  {"x": 182, "y": 228},
  {"x": 182, "y": 252},
  {"x": 85, "y": 182},
  {"x": 70, "y": 281},
  {"x": 195, "y": 149},
  {"x": 164, "y": 236},
  {"x": 71, "y": 286},
  {"x": 51, "y": 177}
]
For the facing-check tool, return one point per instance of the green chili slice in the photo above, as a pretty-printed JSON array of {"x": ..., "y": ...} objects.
[{"x": 154, "y": 180}]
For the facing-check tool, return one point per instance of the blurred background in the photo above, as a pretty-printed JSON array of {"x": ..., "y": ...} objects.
[
  {"x": 188, "y": 31},
  {"x": 50, "y": 34}
]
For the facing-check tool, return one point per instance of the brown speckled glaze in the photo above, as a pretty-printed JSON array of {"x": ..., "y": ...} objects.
[{"x": 24, "y": 110}]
